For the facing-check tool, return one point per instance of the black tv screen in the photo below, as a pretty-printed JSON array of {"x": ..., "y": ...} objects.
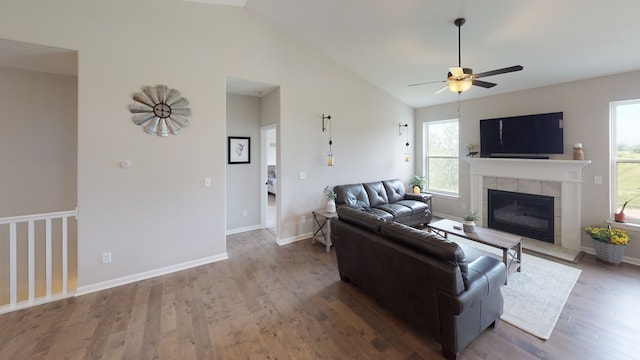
[{"x": 522, "y": 136}]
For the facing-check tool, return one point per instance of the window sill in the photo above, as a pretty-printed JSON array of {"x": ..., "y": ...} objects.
[{"x": 625, "y": 225}]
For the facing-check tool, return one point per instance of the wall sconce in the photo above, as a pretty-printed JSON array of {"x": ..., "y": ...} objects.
[
  {"x": 401, "y": 128},
  {"x": 326, "y": 120}
]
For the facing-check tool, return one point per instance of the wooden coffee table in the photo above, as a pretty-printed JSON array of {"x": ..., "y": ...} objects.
[{"x": 498, "y": 239}]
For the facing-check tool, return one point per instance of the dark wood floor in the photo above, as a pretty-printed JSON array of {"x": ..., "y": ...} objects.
[{"x": 271, "y": 302}]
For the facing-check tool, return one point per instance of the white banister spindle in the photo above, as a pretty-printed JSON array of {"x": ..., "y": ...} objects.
[
  {"x": 49, "y": 257},
  {"x": 31, "y": 234},
  {"x": 29, "y": 282},
  {"x": 65, "y": 257},
  {"x": 13, "y": 265}
]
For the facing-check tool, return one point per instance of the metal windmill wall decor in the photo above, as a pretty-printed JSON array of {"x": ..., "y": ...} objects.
[{"x": 160, "y": 110}]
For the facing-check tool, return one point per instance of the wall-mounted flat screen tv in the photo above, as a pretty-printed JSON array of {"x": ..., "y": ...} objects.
[{"x": 522, "y": 136}]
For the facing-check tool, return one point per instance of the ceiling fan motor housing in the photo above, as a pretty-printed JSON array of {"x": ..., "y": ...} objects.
[{"x": 467, "y": 74}]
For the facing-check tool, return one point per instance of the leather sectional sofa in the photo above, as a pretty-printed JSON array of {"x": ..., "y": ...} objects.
[
  {"x": 387, "y": 200},
  {"x": 447, "y": 292}
]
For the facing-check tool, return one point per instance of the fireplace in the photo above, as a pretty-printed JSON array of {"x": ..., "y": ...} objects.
[
  {"x": 559, "y": 178},
  {"x": 523, "y": 214}
]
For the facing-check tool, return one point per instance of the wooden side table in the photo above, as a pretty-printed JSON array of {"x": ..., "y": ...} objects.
[{"x": 322, "y": 219}]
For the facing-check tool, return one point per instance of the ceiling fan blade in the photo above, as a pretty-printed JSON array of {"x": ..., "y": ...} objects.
[
  {"x": 499, "y": 71},
  {"x": 428, "y": 82},
  {"x": 483, "y": 84},
  {"x": 441, "y": 90}
]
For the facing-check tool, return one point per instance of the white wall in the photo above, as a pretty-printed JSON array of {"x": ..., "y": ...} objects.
[
  {"x": 243, "y": 191},
  {"x": 586, "y": 118},
  {"x": 157, "y": 215}
]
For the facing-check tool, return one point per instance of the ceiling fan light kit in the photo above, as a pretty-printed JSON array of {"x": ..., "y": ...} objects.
[
  {"x": 460, "y": 85},
  {"x": 461, "y": 79}
]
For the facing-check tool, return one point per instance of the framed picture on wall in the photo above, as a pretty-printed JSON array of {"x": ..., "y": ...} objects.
[{"x": 239, "y": 150}]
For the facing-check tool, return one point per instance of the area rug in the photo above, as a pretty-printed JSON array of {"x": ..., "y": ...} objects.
[{"x": 534, "y": 297}]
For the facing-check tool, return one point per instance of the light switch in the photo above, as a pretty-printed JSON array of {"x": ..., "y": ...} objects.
[
  {"x": 207, "y": 182},
  {"x": 303, "y": 175}
]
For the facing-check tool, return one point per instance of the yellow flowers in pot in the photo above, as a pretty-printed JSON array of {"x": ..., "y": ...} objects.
[{"x": 608, "y": 235}]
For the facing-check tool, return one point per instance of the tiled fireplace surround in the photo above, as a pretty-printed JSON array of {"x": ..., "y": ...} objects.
[{"x": 561, "y": 179}]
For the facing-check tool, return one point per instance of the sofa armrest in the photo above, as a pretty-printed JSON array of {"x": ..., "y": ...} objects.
[
  {"x": 425, "y": 198},
  {"x": 486, "y": 275}
]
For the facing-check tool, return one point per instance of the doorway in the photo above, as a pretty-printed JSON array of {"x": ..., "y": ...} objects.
[
  {"x": 252, "y": 189},
  {"x": 269, "y": 166}
]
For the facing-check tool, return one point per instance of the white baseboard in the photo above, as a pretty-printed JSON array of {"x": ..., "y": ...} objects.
[
  {"x": 38, "y": 301},
  {"x": 293, "y": 239},
  {"x": 243, "y": 229},
  {"x": 87, "y": 289}
]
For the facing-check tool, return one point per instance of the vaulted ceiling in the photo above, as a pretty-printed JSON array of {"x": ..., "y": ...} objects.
[{"x": 396, "y": 43}]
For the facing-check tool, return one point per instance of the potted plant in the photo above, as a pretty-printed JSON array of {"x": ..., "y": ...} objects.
[
  {"x": 469, "y": 224},
  {"x": 620, "y": 216},
  {"x": 331, "y": 199},
  {"x": 609, "y": 243},
  {"x": 418, "y": 183}
]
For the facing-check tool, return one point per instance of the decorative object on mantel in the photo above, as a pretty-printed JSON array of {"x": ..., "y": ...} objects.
[
  {"x": 578, "y": 153},
  {"x": 470, "y": 148},
  {"x": 620, "y": 216},
  {"x": 418, "y": 183},
  {"x": 469, "y": 224},
  {"x": 331, "y": 199},
  {"x": 609, "y": 243},
  {"x": 164, "y": 109}
]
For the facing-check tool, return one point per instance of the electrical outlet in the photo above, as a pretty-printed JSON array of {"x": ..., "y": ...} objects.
[
  {"x": 303, "y": 219},
  {"x": 464, "y": 206},
  {"x": 597, "y": 180},
  {"x": 244, "y": 213},
  {"x": 106, "y": 258}
]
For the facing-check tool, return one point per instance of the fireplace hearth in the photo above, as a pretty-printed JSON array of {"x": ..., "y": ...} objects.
[{"x": 523, "y": 214}]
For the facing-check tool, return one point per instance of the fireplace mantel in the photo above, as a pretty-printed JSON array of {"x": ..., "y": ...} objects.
[{"x": 567, "y": 172}]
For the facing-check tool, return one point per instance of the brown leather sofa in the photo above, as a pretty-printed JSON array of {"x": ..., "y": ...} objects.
[
  {"x": 385, "y": 199},
  {"x": 443, "y": 290}
]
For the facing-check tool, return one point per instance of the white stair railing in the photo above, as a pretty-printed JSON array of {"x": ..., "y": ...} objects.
[{"x": 15, "y": 258}]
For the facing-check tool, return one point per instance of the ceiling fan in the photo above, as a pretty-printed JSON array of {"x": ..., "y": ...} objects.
[{"x": 460, "y": 79}]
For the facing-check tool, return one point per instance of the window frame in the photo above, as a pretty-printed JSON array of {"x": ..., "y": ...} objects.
[
  {"x": 426, "y": 157},
  {"x": 614, "y": 161}
]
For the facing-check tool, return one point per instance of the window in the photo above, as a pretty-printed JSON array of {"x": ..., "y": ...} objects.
[
  {"x": 625, "y": 158},
  {"x": 441, "y": 156}
]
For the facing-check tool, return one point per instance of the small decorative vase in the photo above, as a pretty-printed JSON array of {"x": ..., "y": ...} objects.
[
  {"x": 468, "y": 226},
  {"x": 331, "y": 206},
  {"x": 611, "y": 254},
  {"x": 416, "y": 189},
  {"x": 578, "y": 153},
  {"x": 620, "y": 217}
]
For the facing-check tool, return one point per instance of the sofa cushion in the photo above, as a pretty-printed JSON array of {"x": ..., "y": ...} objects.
[
  {"x": 360, "y": 218},
  {"x": 377, "y": 193},
  {"x": 394, "y": 189},
  {"x": 427, "y": 243},
  {"x": 353, "y": 195},
  {"x": 397, "y": 210},
  {"x": 415, "y": 206}
]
